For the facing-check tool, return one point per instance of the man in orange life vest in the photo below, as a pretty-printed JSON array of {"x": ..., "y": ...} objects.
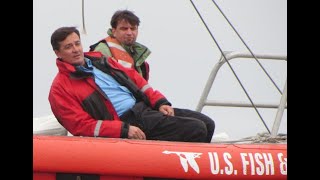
[
  {"x": 121, "y": 43},
  {"x": 92, "y": 95}
]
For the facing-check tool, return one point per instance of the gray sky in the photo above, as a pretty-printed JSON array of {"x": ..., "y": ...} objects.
[{"x": 183, "y": 52}]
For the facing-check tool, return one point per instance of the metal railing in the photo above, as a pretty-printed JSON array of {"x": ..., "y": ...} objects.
[{"x": 233, "y": 55}]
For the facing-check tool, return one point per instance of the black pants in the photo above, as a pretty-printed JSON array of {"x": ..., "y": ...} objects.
[{"x": 186, "y": 125}]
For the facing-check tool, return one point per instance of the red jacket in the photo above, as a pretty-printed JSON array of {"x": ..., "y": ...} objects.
[{"x": 83, "y": 109}]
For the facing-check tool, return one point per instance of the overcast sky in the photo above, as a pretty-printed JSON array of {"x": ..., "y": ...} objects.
[{"x": 183, "y": 52}]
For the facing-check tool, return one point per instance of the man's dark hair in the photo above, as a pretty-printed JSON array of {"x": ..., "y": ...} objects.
[
  {"x": 127, "y": 15},
  {"x": 61, "y": 34}
]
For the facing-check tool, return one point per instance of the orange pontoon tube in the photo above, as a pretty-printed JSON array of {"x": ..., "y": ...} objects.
[{"x": 108, "y": 158}]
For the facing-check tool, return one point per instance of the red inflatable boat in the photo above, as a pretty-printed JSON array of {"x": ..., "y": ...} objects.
[{"x": 80, "y": 158}]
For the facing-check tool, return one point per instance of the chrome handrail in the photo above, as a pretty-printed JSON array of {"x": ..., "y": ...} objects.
[{"x": 233, "y": 55}]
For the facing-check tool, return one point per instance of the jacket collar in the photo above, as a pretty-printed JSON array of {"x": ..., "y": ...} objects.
[{"x": 72, "y": 71}]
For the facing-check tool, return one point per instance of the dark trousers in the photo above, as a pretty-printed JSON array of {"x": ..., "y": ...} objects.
[{"x": 186, "y": 125}]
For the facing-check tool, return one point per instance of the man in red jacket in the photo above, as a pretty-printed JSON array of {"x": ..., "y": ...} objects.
[{"x": 92, "y": 95}]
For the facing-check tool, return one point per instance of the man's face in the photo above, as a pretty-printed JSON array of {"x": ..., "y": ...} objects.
[
  {"x": 71, "y": 50},
  {"x": 125, "y": 33}
]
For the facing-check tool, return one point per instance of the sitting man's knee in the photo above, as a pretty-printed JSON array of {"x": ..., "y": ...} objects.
[{"x": 201, "y": 129}]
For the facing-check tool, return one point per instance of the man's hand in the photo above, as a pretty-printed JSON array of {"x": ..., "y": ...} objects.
[
  {"x": 135, "y": 133},
  {"x": 167, "y": 110}
]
